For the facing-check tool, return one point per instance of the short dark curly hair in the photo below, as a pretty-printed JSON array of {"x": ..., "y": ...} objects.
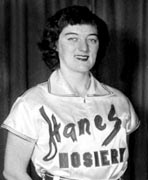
[{"x": 71, "y": 15}]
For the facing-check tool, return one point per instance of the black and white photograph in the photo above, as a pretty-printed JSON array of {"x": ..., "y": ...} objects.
[{"x": 73, "y": 90}]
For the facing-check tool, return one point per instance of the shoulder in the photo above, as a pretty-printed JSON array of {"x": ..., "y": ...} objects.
[
  {"x": 114, "y": 90},
  {"x": 116, "y": 93},
  {"x": 34, "y": 95},
  {"x": 35, "y": 90}
]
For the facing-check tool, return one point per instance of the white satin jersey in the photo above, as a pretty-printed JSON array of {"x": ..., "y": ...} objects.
[{"x": 76, "y": 138}]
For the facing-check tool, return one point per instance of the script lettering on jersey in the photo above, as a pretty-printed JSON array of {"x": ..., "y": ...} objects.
[
  {"x": 69, "y": 131},
  {"x": 117, "y": 126},
  {"x": 52, "y": 133}
]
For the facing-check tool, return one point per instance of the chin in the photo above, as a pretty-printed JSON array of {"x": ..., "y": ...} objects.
[
  {"x": 86, "y": 68},
  {"x": 83, "y": 70}
]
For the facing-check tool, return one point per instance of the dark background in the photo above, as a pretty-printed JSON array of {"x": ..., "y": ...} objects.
[{"x": 125, "y": 66}]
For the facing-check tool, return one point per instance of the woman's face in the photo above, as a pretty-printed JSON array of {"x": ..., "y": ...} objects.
[{"x": 77, "y": 47}]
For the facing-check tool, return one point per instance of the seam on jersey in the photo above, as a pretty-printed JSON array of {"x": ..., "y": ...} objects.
[
  {"x": 27, "y": 138},
  {"x": 137, "y": 126}
]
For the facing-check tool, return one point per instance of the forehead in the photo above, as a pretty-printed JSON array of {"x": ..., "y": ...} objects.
[{"x": 84, "y": 29}]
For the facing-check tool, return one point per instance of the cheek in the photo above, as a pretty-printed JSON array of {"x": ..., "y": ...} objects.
[
  {"x": 96, "y": 48},
  {"x": 65, "y": 49},
  {"x": 94, "y": 52},
  {"x": 65, "y": 52},
  {"x": 61, "y": 50}
]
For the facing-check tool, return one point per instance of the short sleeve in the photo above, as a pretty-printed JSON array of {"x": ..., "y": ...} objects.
[
  {"x": 133, "y": 120},
  {"x": 21, "y": 121}
]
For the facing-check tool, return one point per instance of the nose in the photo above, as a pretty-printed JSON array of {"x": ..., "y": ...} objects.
[{"x": 83, "y": 45}]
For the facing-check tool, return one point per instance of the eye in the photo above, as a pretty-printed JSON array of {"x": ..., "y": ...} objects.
[
  {"x": 93, "y": 40},
  {"x": 73, "y": 39}
]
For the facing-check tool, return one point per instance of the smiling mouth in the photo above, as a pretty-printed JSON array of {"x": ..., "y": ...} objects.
[{"x": 82, "y": 57}]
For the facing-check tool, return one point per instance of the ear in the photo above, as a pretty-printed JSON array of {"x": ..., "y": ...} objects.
[{"x": 56, "y": 46}]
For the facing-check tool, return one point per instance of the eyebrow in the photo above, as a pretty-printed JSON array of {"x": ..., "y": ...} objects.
[{"x": 73, "y": 33}]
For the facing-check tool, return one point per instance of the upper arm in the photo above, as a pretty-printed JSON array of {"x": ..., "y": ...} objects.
[
  {"x": 133, "y": 122},
  {"x": 17, "y": 154}
]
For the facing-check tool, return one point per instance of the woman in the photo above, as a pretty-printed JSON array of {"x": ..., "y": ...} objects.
[{"x": 72, "y": 126}]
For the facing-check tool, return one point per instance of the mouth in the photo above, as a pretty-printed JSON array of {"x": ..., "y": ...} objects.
[{"x": 82, "y": 57}]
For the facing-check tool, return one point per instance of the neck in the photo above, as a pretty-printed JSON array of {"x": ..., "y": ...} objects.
[{"x": 77, "y": 82}]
